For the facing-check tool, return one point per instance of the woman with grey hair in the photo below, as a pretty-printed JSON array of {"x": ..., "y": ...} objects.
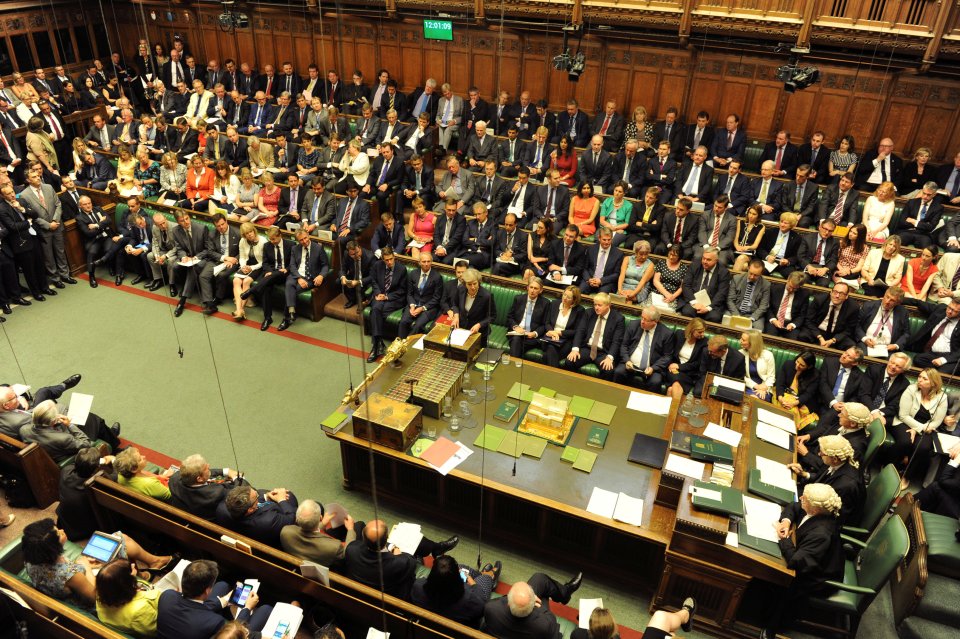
[
  {"x": 57, "y": 435},
  {"x": 131, "y": 467},
  {"x": 636, "y": 274}
]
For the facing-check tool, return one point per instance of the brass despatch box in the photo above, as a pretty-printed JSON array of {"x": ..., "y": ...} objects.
[
  {"x": 437, "y": 340},
  {"x": 388, "y": 422}
]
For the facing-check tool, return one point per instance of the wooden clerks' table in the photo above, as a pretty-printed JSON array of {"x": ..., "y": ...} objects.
[{"x": 539, "y": 505}]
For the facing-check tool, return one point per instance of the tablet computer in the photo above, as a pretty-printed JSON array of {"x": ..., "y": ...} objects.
[{"x": 103, "y": 547}]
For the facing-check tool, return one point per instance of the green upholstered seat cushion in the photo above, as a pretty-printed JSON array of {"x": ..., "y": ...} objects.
[{"x": 943, "y": 549}]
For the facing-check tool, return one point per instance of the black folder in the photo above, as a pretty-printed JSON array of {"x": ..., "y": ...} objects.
[{"x": 649, "y": 451}]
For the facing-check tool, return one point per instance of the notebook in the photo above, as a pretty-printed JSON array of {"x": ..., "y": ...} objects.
[{"x": 649, "y": 451}]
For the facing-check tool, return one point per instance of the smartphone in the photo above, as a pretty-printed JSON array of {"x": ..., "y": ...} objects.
[
  {"x": 241, "y": 594},
  {"x": 174, "y": 468},
  {"x": 282, "y": 628},
  {"x": 464, "y": 573}
]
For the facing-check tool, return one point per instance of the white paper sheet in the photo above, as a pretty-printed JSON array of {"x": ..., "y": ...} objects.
[
  {"x": 79, "y": 410},
  {"x": 732, "y": 540},
  {"x": 947, "y": 441},
  {"x": 602, "y": 502},
  {"x": 880, "y": 351},
  {"x": 761, "y": 515},
  {"x": 735, "y": 384},
  {"x": 283, "y": 613},
  {"x": 418, "y": 345},
  {"x": 685, "y": 466},
  {"x": 770, "y": 266},
  {"x": 648, "y": 403},
  {"x": 373, "y": 633},
  {"x": 456, "y": 459},
  {"x": 774, "y": 435},
  {"x": 459, "y": 336},
  {"x": 629, "y": 510},
  {"x": 727, "y": 436},
  {"x": 316, "y": 572},
  {"x": 707, "y": 493},
  {"x": 776, "y": 474},
  {"x": 586, "y": 609},
  {"x": 783, "y": 422},
  {"x": 702, "y": 297},
  {"x": 406, "y": 537},
  {"x": 19, "y": 389}
]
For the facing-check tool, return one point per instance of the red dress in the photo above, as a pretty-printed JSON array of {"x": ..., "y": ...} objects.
[
  {"x": 423, "y": 227},
  {"x": 271, "y": 202},
  {"x": 582, "y": 208},
  {"x": 566, "y": 165}
]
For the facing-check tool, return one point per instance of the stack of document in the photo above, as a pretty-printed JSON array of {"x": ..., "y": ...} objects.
[
  {"x": 776, "y": 474},
  {"x": 783, "y": 422},
  {"x": 618, "y": 506},
  {"x": 728, "y": 436},
  {"x": 405, "y": 536},
  {"x": 774, "y": 435},
  {"x": 685, "y": 466},
  {"x": 649, "y": 403},
  {"x": 760, "y": 517}
]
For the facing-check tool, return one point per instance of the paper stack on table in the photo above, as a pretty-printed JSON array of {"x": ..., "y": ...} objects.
[
  {"x": 445, "y": 455},
  {"x": 648, "y": 403},
  {"x": 684, "y": 466},
  {"x": 618, "y": 506},
  {"x": 459, "y": 336},
  {"x": 727, "y": 436},
  {"x": 774, "y": 435},
  {"x": 783, "y": 422},
  {"x": 761, "y": 515},
  {"x": 776, "y": 474}
]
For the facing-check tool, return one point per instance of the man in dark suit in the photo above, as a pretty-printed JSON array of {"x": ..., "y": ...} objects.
[
  {"x": 839, "y": 202},
  {"x": 718, "y": 358},
  {"x": 389, "y": 294},
  {"x": 536, "y": 155},
  {"x": 884, "y": 322},
  {"x": 544, "y": 119},
  {"x": 573, "y": 122},
  {"x": 260, "y": 517},
  {"x": 261, "y": 114},
  {"x": 609, "y": 125},
  {"x": 197, "y": 609},
  {"x": 448, "y": 233},
  {"x": 787, "y": 312},
  {"x": 102, "y": 244},
  {"x": 599, "y": 339},
  {"x": 736, "y": 186},
  {"x": 525, "y": 612},
  {"x": 238, "y": 111},
  {"x": 492, "y": 190},
  {"x": 526, "y": 319},
  {"x": 417, "y": 182},
  {"x": 679, "y": 229},
  {"x": 817, "y": 255},
  {"x": 766, "y": 192},
  {"x": 23, "y": 239},
  {"x": 425, "y": 98},
  {"x": 510, "y": 152},
  {"x": 356, "y": 268},
  {"x": 840, "y": 380},
  {"x": 710, "y": 276},
  {"x": 388, "y": 233},
  {"x": 69, "y": 199},
  {"x": 277, "y": 255},
  {"x": 780, "y": 246},
  {"x": 522, "y": 114},
  {"x": 662, "y": 172},
  {"x": 646, "y": 220},
  {"x": 246, "y": 81},
  {"x": 802, "y": 197},
  {"x": 817, "y": 157},
  {"x": 630, "y": 167},
  {"x": 394, "y": 100},
  {"x": 882, "y": 387},
  {"x": 729, "y": 142},
  {"x": 368, "y": 127},
  {"x": 937, "y": 343},
  {"x": 95, "y": 172},
  {"x": 215, "y": 148},
  {"x": 700, "y": 133},
  {"x": 942, "y": 497},
  {"x": 718, "y": 229},
  {"x": 424, "y": 291},
  {"x": 566, "y": 257},
  {"x": 482, "y": 147},
  {"x": 332, "y": 91},
  {"x": 353, "y": 215},
  {"x": 831, "y": 319},
  {"x": 645, "y": 353},
  {"x": 877, "y": 166},
  {"x": 510, "y": 246},
  {"x": 290, "y": 81},
  {"x": 11, "y": 151},
  {"x": 672, "y": 131},
  {"x": 782, "y": 153},
  {"x": 920, "y": 217},
  {"x": 601, "y": 265},
  {"x": 185, "y": 140},
  {"x": 695, "y": 180},
  {"x": 224, "y": 252},
  {"x": 192, "y": 240},
  {"x": 596, "y": 166},
  {"x": 308, "y": 269},
  {"x": 236, "y": 153},
  {"x": 477, "y": 243},
  {"x": 551, "y": 201},
  {"x": 384, "y": 177},
  {"x": 948, "y": 179},
  {"x": 475, "y": 109}
]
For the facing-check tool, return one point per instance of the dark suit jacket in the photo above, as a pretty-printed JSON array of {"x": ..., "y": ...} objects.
[
  {"x": 718, "y": 288},
  {"x": 741, "y": 194},
  {"x": 865, "y": 168},
  {"x": 848, "y": 484},
  {"x": 576, "y": 261},
  {"x": 500, "y": 622},
  {"x": 182, "y": 618},
  {"x": 270, "y": 258},
  {"x": 530, "y": 155},
  {"x": 363, "y": 563},
  {"x": 661, "y": 345},
  {"x": 348, "y": 267},
  {"x": 18, "y": 238},
  {"x": 561, "y": 205},
  {"x": 359, "y": 216},
  {"x": 201, "y": 240},
  {"x": 809, "y": 198},
  {"x": 399, "y": 105},
  {"x": 611, "y": 269},
  {"x": 843, "y": 325},
  {"x": 829, "y": 371},
  {"x": 918, "y": 342},
  {"x": 611, "y": 340},
  {"x": 704, "y": 185},
  {"x": 598, "y": 173},
  {"x": 719, "y": 147},
  {"x": 264, "y": 524},
  {"x": 426, "y": 183},
  {"x": 614, "y": 135},
  {"x": 665, "y": 177},
  {"x": 808, "y": 250},
  {"x": 185, "y": 143},
  {"x": 900, "y": 332},
  {"x": 706, "y": 138},
  {"x": 677, "y": 132},
  {"x": 564, "y": 121},
  {"x": 734, "y": 366},
  {"x": 69, "y": 206},
  {"x": 650, "y": 228},
  {"x": 91, "y": 236},
  {"x": 637, "y": 174},
  {"x": 397, "y": 292},
  {"x": 476, "y": 240},
  {"x": 788, "y": 162},
  {"x": 482, "y": 312},
  {"x": 381, "y": 238},
  {"x": 499, "y": 194},
  {"x": 237, "y": 154},
  {"x": 518, "y": 246},
  {"x": 455, "y": 240},
  {"x": 201, "y": 501},
  {"x": 728, "y": 230},
  {"x": 317, "y": 264},
  {"x": 821, "y": 165},
  {"x": 577, "y": 317},
  {"x": 828, "y": 202},
  {"x": 537, "y": 319},
  {"x": 773, "y": 194},
  {"x": 809, "y": 388},
  {"x": 430, "y": 106},
  {"x": 798, "y": 308},
  {"x": 870, "y": 389},
  {"x": 392, "y": 178},
  {"x": 485, "y": 149},
  {"x": 817, "y": 555},
  {"x": 432, "y": 292},
  {"x": 931, "y": 218},
  {"x": 769, "y": 241},
  {"x": 688, "y": 234}
]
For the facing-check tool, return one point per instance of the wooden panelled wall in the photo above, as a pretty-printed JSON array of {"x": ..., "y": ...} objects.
[{"x": 913, "y": 110}]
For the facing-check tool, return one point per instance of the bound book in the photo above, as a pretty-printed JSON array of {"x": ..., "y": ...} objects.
[
  {"x": 776, "y": 494},
  {"x": 717, "y": 499},
  {"x": 647, "y": 450},
  {"x": 597, "y": 438},
  {"x": 710, "y": 450},
  {"x": 756, "y": 543},
  {"x": 680, "y": 442},
  {"x": 506, "y": 411}
]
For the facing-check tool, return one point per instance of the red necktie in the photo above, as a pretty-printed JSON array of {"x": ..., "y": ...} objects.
[
  {"x": 716, "y": 232},
  {"x": 782, "y": 311},
  {"x": 779, "y": 156},
  {"x": 819, "y": 253},
  {"x": 936, "y": 334},
  {"x": 606, "y": 123},
  {"x": 676, "y": 234}
]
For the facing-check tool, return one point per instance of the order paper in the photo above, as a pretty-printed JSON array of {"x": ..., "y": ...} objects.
[
  {"x": 775, "y": 436},
  {"x": 648, "y": 403},
  {"x": 685, "y": 466},
  {"x": 727, "y": 436}
]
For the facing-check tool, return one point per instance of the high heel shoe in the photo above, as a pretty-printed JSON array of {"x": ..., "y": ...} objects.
[
  {"x": 167, "y": 567},
  {"x": 239, "y": 316}
]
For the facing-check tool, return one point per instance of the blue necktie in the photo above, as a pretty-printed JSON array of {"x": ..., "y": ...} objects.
[
  {"x": 645, "y": 351},
  {"x": 839, "y": 384},
  {"x": 528, "y": 315}
]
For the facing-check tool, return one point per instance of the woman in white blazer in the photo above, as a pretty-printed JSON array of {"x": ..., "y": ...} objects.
[
  {"x": 761, "y": 376},
  {"x": 923, "y": 406},
  {"x": 883, "y": 268}
]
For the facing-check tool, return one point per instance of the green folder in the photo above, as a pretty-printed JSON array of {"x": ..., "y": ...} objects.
[
  {"x": 520, "y": 392},
  {"x": 730, "y": 502},
  {"x": 334, "y": 419},
  {"x": 763, "y": 545},
  {"x": 709, "y": 450},
  {"x": 585, "y": 460},
  {"x": 512, "y": 444},
  {"x": 490, "y": 437},
  {"x": 768, "y": 491},
  {"x": 602, "y": 413},
  {"x": 547, "y": 392},
  {"x": 570, "y": 454},
  {"x": 564, "y": 398},
  {"x": 534, "y": 447},
  {"x": 581, "y": 406}
]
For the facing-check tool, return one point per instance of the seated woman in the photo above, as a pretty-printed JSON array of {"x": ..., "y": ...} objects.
[
  {"x": 852, "y": 256},
  {"x": 917, "y": 280},
  {"x": 563, "y": 320},
  {"x": 173, "y": 178},
  {"x": 126, "y": 172},
  {"x": 817, "y": 555},
  {"x": 636, "y": 272},
  {"x": 878, "y": 211},
  {"x": 420, "y": 229},
  {"x": 584, "y": 206},
  {"x": 668, "y": 276},
  {"x": 245, "y": 200},
  {"x": 123, "y": 602},
  {"x": 750, "y": 230},
  {"x": 798, "y": 389},
  {"x": 684, "y": 371},
  {"x": 267, "y": 202},
  {"x": 883, "y": 268},
  {"x": 249, "y": 266},
  {"x": 131, "y": 468},
  {"x": 538, "y": 249},
  {"x": 615, "y": 213},
  {"x": 761, "y": 368},
  {"x": 923, "y": 406},
  {"x": 55, "y": 433},
  {"x": 62, "y": 572},
  {"x": 456, "y": 592}
]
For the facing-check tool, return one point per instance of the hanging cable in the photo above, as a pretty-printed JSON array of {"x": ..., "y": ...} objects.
[
  {"x": 13, "y": 352},
  {"x": 223, "y": 403}
]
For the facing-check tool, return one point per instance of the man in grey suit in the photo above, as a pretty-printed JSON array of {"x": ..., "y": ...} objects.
[
  {"x": 223, "y": 256},
  {"x": 456, "y": 184},
  {"x": 101, "y": 135},
  {"x": 193, "y": 241},
  {"x": 481, "y": 148},
  {"x": 15, "y": 410},
  {"x": 749, "y": 294},
  {"x": 319, "y": 207},
  {"x": 43, "y": 199},
  {"x": 163, "y": 253},
  {"x": 449, "y": 113},
  {"x": 717, "y": 230}
]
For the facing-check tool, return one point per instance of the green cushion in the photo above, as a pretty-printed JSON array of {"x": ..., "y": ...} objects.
[
  {"x": 881, "y": 492},
  {"x": 943, "y": 549},
  {"x": 119, "y": 213},
  {"x": 847, "y": 602}
]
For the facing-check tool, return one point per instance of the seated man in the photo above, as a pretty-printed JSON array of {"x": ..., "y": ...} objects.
[
  {"x": 601, "y": 265},
  {"x": 708, "y": 276},
  {"x": 199, "y": 489},
  {"x": 749, "y": 294},
  {"x": 198, "y": 610},
  {"x": 15, "y": 409},
  {"x": 477, "y": 243},
  {"x": 646, "y": 352},
  {"x": 355, "y": 272},
  {"x": 276, "y": 260},
  {"x": 780, "y": 248},
  {"x": 369, "y": 559},
  {"x": 311, "y": 539},
  {"x": 56, "y": 434},
  {"x": 943, "y": 496},
  {"x": 600, "y": 336},
  {"x": 566, "y": 256},
  {"x": 787, "y": 311},
  {"x": 884, "y": 324},
  {"x": 424, "y": 290},
  {"x": 388, "y": 233},
  {"x": 525, "y": 612},
  {"x": 258, "y": 516},
  {"x": 839, "y": 469},
  {"x": 75, "y": 514},
  {"x": 102, "y": 243},
  {"x": 509, "y": 248},
  {"x": 818, "y": 253},
  {"x": 527, "y": 318},
  {"x": 937, "y": 343},
  {"x": 718, "y": 358},
  {"x": 308, "y": 268}
]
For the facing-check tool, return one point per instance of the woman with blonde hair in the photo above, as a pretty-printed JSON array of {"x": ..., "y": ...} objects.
[
  {"x": 878, "y": 211},
  {"x": 923, "y": 406},
  {"x": 915, "y": 173},
  {"x": 639, "y": 128},
  {"x": 173, "y": 178},
  {"x": 249, "y": 262},
  {"x": 761, "y": 377},
  {"x": 882, "y": 268}
]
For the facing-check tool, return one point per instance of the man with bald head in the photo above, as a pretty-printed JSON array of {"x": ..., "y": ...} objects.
[
  {"x": 878, "y": 166},
  {"x": 15, "y": 410},
  {"x": 524, "y": 613},
  {"x": 363, "y": 558}
]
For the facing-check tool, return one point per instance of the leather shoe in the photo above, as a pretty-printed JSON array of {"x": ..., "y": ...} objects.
[
  {"x": 69, "y": 280},
  {"x": 443, "y": 547},
  {"x": 21, "y": 302},
  {"x": 154, "y": 285},
  {"x": 246, "y": 294},
  {"x": 50, "y": 291},
  {"x": 350, "y": 303},
  {"x": 173, "y": 291},
  {"x": 374, "y": 354},
  {"x": 690, "y": 605},
  {"x": 6, "y": 309},
  {"x": 93, "y": 282},
  {"x": 285, "y": 324},
  {"x": 39, "y": 298},
  {"x": 71, "y": 381},
  {"x": 115, "y": 429},
  {"x": 266, "y": 323},
  {"x": 573, "y": 585},
  {"x": 119, "y": 280},
  {"x": 178, "y": 311},
  {"x": 59, "y": 284},
  {"x": 137, "y": 280},
  {"x": 209, "y": 309}
]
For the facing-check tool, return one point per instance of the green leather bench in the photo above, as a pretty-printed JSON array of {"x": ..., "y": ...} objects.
[{"x": 943, "y": 549}]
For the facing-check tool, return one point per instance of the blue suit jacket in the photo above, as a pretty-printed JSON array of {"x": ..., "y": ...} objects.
[
  {"x": 318, "y": 261},
  {"x": 264, "y": 524},
  {"x": 182, "y": 618}
]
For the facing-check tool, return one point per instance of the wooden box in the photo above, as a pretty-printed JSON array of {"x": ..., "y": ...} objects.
[
  {"x": 438, "y": 340},
  {"x": 388, "y": 422}
]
